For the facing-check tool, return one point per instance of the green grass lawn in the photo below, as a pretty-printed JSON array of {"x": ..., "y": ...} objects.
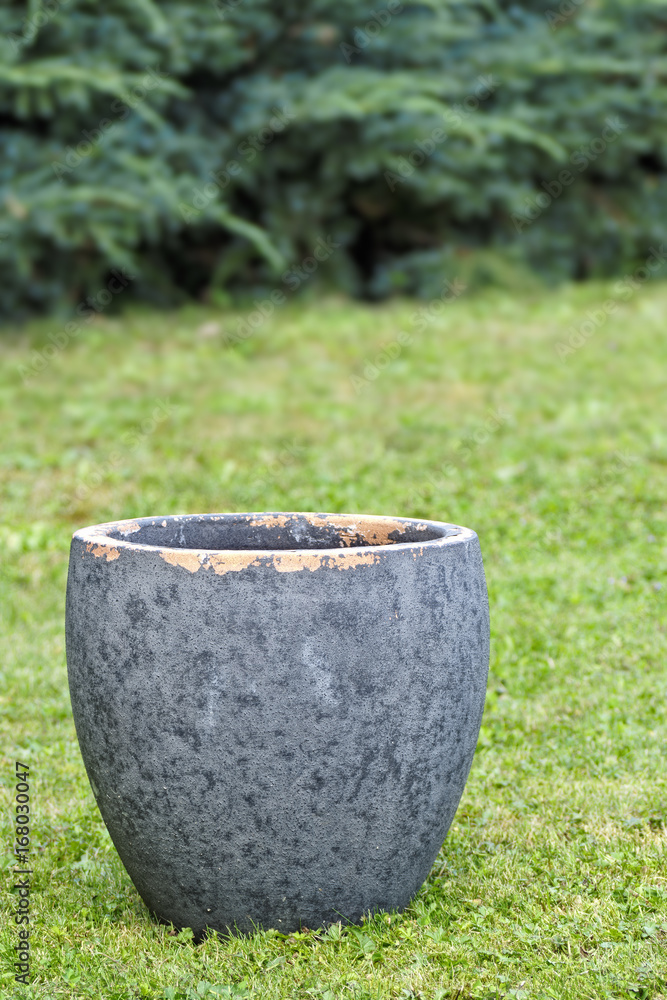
[{"x": 552, "y": 881}]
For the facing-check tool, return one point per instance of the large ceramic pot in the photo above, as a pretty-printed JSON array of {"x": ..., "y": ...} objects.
[{"x": 277, "y": 712}]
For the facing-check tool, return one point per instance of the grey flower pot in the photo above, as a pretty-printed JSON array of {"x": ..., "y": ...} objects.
[{"x": 277, "y": 712}]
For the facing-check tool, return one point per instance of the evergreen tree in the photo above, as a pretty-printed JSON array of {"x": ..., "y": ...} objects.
[{"x": 203, "y": 146}]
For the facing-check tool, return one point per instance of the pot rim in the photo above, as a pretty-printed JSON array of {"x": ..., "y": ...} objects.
[{"x": 98, "y": 539}]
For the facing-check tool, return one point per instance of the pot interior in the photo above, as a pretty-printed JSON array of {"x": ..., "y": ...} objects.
[{"x": 225, "y": 532}]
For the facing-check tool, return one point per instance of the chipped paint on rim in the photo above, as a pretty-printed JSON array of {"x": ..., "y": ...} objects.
[
  {"x": 99, "y": 549},
  {"x": 129, "y": 527},
  {"x": 283, "y": 561},
  {"x": 375, "y": 529}
]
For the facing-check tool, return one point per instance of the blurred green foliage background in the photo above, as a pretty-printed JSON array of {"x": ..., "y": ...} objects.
[{"x": 205, "y": 148}]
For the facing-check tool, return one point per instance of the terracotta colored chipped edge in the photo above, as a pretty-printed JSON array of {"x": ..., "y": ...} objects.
[{"x": 223, "y": 561}]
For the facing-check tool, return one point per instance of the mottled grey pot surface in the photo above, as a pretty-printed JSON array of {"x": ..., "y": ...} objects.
[{"x": 277, "y": 712}]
